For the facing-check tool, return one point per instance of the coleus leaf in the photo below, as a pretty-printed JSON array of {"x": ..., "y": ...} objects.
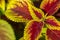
[
  {"x": 6, "y": 32},
  {"x": 11, "y": 3},
  {"x": 50, "y": 6},
  {"x": 32, "y": 30},
  {"x": 18, "y": 11},
  {"x": 52, "y": 23},
  {"x": 52, "y": 34},
  {"x": 2, "y": 4},
  {"x": 36, "y": 13},
  {"x": 22, "y": 11}
]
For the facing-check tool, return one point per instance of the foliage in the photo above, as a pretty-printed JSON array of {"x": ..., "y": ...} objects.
[
  {"x": 40, "y": 19},
  {"x": 6, "y": 32}
]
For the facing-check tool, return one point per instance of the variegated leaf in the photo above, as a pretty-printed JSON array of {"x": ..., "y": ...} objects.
[
  {"x": 52, "y": 34},
  {"x": 37, "y": 12},
  {"x": 6, "y": 31},
  {"x": 32, "y": 30},
  {"x": 18, "y": 11},
  {"x": 11, "y": 3},
  {"x": 22, "y": 11},
  {"x": 50, "y": 6},
  {"x": 52, "y": 23}
]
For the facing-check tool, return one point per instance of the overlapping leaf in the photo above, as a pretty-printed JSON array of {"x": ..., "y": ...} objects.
[
  {"x": 52, "y": 34},
  {"x": 18, "y": 11},
  {"x": 36, "y": 13},
  {"x": 50, "y": 6},
  {"x": 33, "y": 30},
  {"x": 52, "y": 23},
  {"x": 21, "y": 11},
  {"x": 6, "y": 32},
  {"x": 53, "y": 31}
]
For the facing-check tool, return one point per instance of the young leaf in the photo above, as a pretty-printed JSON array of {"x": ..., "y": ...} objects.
[
  {"x": 33, "y": 30},
  {"x": 52, "y": 23}
]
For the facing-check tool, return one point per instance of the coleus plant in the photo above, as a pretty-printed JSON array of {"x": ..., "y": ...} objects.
[{"x": 25, "y": 11}]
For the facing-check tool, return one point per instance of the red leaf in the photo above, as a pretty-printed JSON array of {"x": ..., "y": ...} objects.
[
  {"x": 38, "y": 12},
  {"x": 52, "y": 21},
  {"x": 33, "y": 30},
  {"x": 50, "y": 6},
  {"x": 19, "y": 11},
  {"x": 22, "y": 10},
  {"x": 53, "y": 34}
]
